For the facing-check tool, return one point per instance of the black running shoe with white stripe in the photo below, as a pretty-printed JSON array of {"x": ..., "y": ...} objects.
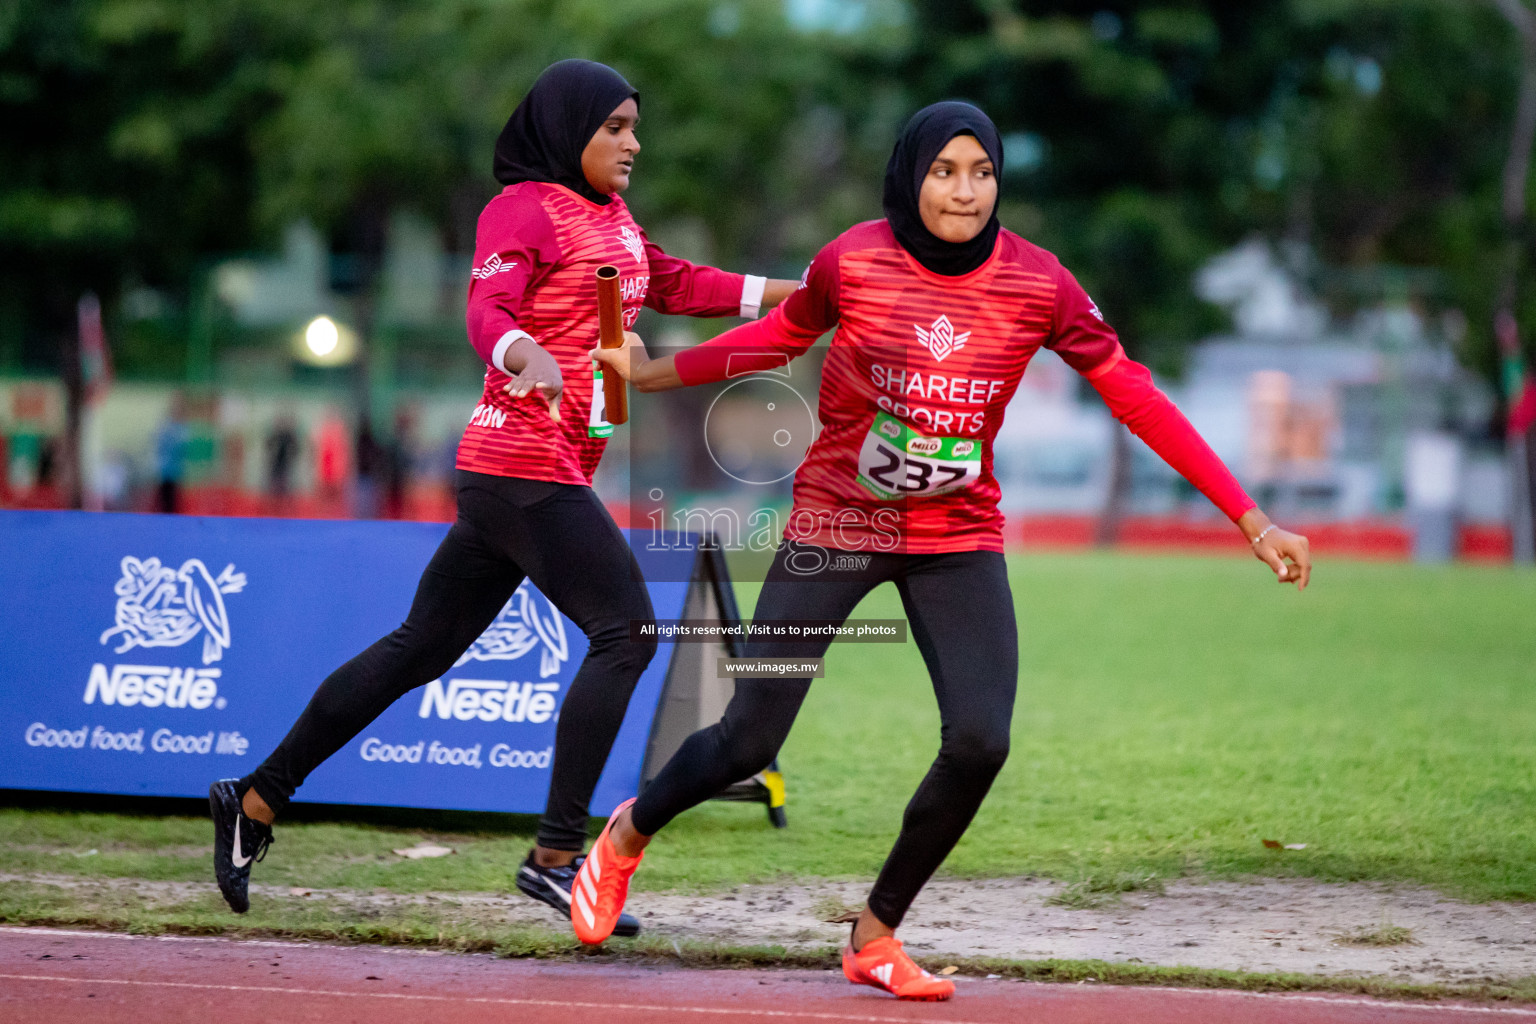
[
  {"x": 237, "y": 843},
  {"x": 553, "y": 886}
]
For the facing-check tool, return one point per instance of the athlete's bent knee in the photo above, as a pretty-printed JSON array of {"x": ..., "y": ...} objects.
[
  {"x": 632, "y": 651},
  {"x": 420, "y": 655},
  {"x": 643, "y": 649},
  {"x": 983, "y": 751},
  {"x": 620, "y": 654},
  {"x": 751, "y": 756}
]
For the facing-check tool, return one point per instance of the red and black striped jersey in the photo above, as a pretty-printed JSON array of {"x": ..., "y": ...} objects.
[
  {"x": 914, "y": 387},
  {"x": 537, "y": 247}
]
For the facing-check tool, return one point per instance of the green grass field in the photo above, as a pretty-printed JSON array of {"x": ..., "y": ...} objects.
[{"x": 1173, "y": 713}]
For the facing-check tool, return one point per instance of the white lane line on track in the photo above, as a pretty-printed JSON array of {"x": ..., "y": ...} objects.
[
  {"x": 724, "y": 1011},
  {"x": 1382, "y": 1004},
  {"x": 80, "y": 933},
  {"x": 721, "y": 1011},
  {"x": 1296, "y": 997}
]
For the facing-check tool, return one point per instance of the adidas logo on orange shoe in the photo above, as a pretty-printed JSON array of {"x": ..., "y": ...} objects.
[{"x": 882, "y": 963}]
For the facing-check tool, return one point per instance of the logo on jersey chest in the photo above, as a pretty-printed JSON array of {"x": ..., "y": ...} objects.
[
  {"x": 632, "y": 291},
  {"x": 633, "y": 242},
  {"x": 940, "y": 338}
]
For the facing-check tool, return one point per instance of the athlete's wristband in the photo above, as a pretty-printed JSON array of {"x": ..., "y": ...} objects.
[
  {"x": 752, "y": 288},
  {"x": 499, "y": 353}
]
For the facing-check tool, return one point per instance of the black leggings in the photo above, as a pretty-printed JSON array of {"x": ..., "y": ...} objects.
[
  {"x": 961, "y": 615},
  {"x": 560, "y": 537}
]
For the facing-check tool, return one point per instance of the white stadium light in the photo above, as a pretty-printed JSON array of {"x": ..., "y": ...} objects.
[
  {"x": 324, "y": 342},
  {"x": 321, "y": 336}
]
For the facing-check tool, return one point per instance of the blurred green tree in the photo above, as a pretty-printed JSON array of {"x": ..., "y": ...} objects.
[
  {"x": 124, "y": 157},
  {"x": 150, "y": 134},
  {"x": 1155, "y": 134}
]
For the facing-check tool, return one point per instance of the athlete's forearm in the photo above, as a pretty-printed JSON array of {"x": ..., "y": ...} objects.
[
  {"x": 776, "y": 291},
  {"x": 1254, "y": 524},
  {"x": 766, "y": 344},
  {"x": 657, "y": 375},
  {"x": 522, "y": 353}
]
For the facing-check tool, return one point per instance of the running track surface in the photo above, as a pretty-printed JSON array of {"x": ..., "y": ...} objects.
[{"x": 49, "y": 976}]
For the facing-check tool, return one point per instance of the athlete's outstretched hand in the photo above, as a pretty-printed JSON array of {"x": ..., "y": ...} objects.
[
  {"x": 635, "y": 365},
  {"x": 1288, "y": 554},
  {"x": 540, "y": 377},
  {"x": 625, "y": 359}
]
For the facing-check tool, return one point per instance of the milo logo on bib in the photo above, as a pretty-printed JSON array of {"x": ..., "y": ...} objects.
[{"x": 896, "y": 461}]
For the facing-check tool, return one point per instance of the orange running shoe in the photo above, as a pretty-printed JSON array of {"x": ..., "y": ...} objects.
[
  {"x": 884, "y": 964},
  {"x": 597, "y": 897}
]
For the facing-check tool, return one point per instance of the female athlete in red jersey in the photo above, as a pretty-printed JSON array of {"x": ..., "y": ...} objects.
[
  {"x": 937, "y": 311},
  {"x": 526, "y": 509}
]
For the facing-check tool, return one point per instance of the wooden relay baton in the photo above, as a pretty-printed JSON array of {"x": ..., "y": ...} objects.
[{"x": 610, "y": 334}]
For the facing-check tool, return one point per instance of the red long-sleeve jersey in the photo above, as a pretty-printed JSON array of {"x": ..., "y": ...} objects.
[
  {"x": 536, "y": 249},
  {"x": 916, "y": 382}
]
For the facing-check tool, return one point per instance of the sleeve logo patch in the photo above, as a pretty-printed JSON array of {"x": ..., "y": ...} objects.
[{"x": 491, "y": 266}]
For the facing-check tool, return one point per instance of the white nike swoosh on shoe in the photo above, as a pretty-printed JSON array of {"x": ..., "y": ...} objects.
[
  {"x": 234, "y": 855},
  {"x": 552, "y": 887}
]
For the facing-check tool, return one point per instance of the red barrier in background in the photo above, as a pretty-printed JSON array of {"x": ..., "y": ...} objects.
[
  {"x": 1485, "y": 544},
  {"x": 1376, "y": 539},
  {"x": 1379, "y": 539},
  {"x": 426, "y": 503}
]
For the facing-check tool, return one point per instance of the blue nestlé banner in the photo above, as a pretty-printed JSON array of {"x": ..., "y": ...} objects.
[{"x": 150, "y": 655}]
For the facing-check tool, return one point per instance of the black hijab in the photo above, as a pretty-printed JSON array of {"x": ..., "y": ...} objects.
[
  {"x": 925, "y": 135},
  {"x": 545, "y": 135}
]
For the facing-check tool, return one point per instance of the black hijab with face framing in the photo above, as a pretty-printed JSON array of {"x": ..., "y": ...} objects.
[
  {"x": 925, "y": 135},
  {"x": 546, "y": 134}
]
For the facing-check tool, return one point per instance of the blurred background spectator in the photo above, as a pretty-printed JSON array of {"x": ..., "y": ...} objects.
[
  {"x": 333, "y": 459},
  {"x": 368, "y": 486},
  {"x": 170, "y": 457},
  {"x": 282, "y": 453},
  {"x": 399, "y": 458}
]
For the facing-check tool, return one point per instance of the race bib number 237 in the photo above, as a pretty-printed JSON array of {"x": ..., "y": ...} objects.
[{"x": 897, "y": 462}]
